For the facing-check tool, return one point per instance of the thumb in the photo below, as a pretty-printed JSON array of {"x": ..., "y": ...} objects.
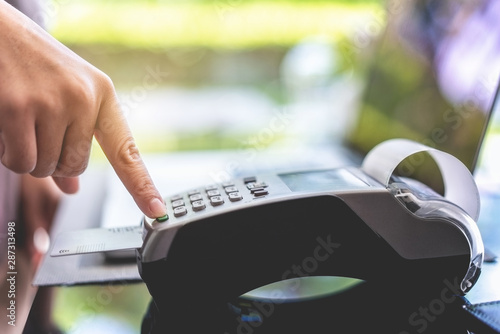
[{"x": 68, "y": 185}]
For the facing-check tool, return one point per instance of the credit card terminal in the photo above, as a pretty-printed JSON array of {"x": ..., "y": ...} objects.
[{"x": 223, "y": 240}]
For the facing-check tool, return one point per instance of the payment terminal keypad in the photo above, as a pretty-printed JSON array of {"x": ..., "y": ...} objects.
[{"x": 217, "y": 195}]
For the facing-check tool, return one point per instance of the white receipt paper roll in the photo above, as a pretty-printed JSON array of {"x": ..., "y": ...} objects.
[{"x": 459, "y": 185}]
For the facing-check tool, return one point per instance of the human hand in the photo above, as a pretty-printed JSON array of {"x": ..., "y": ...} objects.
[{"x": 52, "y": 103}]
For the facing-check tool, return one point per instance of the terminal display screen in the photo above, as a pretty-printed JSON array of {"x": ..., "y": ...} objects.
[{"x": 325, "y": 180}]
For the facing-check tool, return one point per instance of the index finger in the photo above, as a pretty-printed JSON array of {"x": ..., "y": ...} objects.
[{"x": 115, "y": 138}]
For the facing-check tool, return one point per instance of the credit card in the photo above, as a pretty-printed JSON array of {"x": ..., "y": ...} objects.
[{"x": 97, "y": 240}]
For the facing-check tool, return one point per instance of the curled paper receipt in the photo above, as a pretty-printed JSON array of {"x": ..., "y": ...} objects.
[{"x": 459, "y": 185}]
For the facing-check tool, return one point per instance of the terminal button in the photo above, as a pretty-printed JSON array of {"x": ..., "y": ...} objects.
[
  {"x": 195, "y": 197},
  {"x": 193, "y": 192},
  {"x": 175, "y": 198},
  {"x": 216, "y": 200},
  {"x": 230, "y": 189},
  {"x": 235, "y": 196},
  {"x": 162, "y": 219},
  {"x": 211, "y": 187},
  {"x": 249, "y": 179},
  {"x": 198, "y": 205},
  {"x": 211, "y": 193},
  {"x": 180, "y": 211},
  {"x": 254, "y": 190},
  {"x": 260, "y": 193},
  {"x": 177, "y": 203},
  {"x": 252, "y": 185}
]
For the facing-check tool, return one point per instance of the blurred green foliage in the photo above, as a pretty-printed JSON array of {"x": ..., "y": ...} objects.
[
  {"x": 216, "y": 24},
  {"x": 123, "y": 37},
  {"x": 77, "y": 308}
]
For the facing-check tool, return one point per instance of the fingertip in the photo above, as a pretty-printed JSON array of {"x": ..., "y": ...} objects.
[
  {"x": 68, "y": 185},
  {"x": 156, "y": 208}
]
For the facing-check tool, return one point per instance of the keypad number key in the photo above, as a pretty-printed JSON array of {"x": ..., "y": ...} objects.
[
  {"x": 211, "y": 187},
  {"x": 216, "y": 200},
  {"x": 230, "y": 189},
  {"x": 195, "y": 197},
  {"x": 176, "y": 198},
  {"x": 198, "y": 205},
  {"x": 193, "y": 192},
  {"x": 180, "y": 211},
  {"x": 235, "y": 196},
  {"x": 214, "y": 192},
  {"x": 177, "y": 203}
]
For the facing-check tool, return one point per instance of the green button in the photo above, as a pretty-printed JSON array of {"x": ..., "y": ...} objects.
[{"x": 162, "y": 219}]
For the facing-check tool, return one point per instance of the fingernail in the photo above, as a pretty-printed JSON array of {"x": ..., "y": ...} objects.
[{"x": 157, "y": 208}]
